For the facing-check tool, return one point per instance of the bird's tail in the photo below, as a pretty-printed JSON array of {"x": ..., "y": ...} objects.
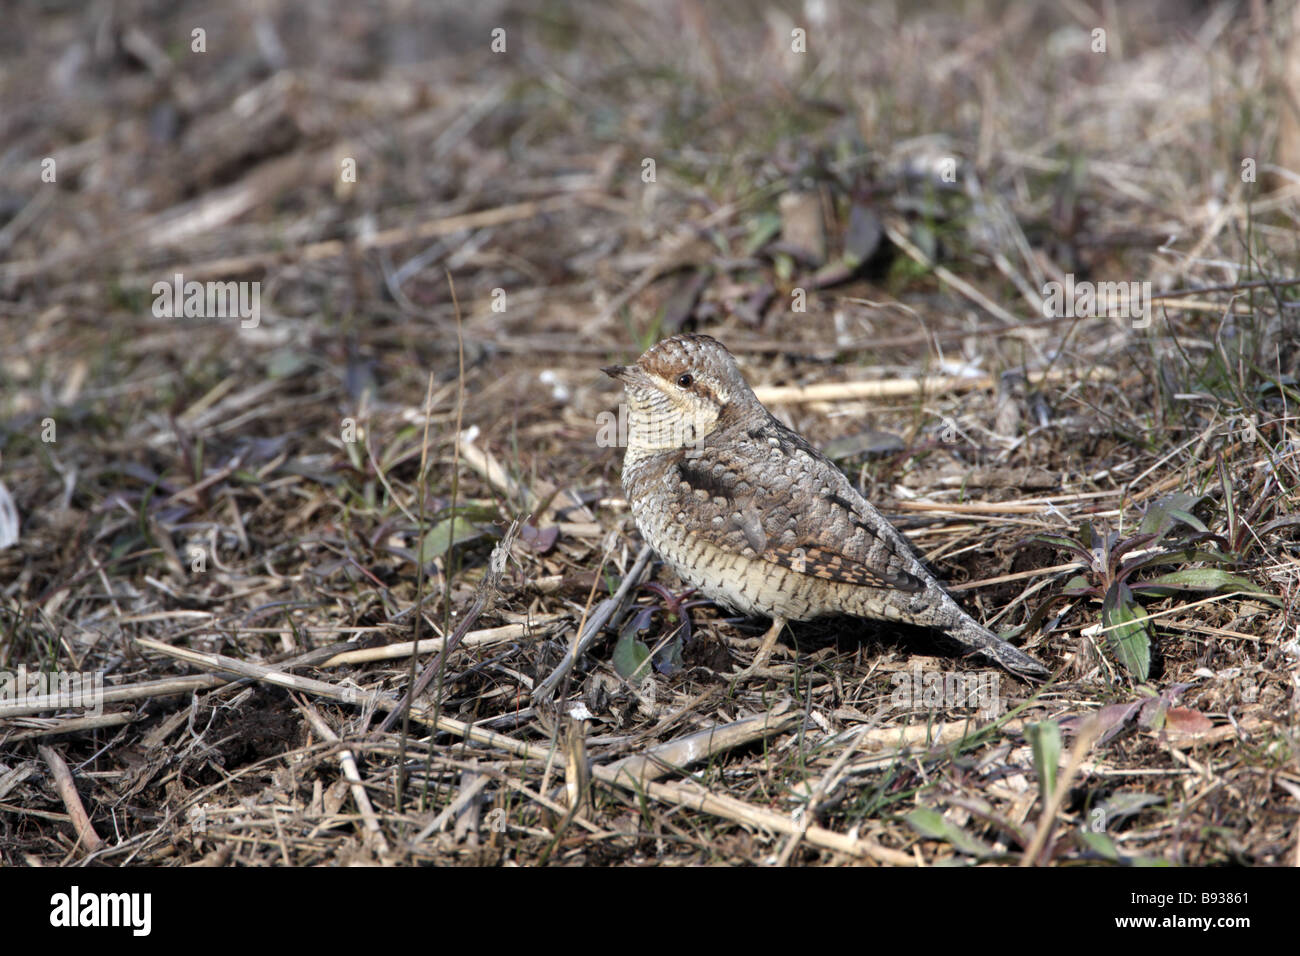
[{"x": 969, "y": 632}]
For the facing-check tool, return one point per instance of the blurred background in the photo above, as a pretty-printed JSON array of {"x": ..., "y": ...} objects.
[{"x": 453, "y": 214}]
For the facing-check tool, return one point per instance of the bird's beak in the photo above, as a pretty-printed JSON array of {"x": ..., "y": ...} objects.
[{"x": 616, "y": 371}]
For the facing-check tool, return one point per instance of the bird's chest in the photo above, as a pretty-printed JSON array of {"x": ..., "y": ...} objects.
[{"x": 652, "y": 495}]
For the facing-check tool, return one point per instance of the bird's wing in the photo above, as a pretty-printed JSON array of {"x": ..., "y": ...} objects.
[{"x": 777, "y": 499}]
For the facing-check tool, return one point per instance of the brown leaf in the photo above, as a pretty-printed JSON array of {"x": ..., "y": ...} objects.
[{"x": 1184, "y": 720}]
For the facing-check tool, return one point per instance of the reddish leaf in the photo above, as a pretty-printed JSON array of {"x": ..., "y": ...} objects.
[
  {"x": 540, "y": 540},
  {"x": 1184, "y": 720}
]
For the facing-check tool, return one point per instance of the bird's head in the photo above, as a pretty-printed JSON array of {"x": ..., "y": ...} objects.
[{"x": 679, "y": 391}]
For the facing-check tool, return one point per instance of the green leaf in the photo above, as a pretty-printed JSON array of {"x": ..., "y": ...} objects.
[
  {"x": 762, "y": 229},
  {"x": 396, "y": 447},
  {"x": 1104, "y": 846},
  {"x": 1057, "y": 540},
  {"x": 356, "y": 457},
  {"x": 481, "y": 510},
  {"x": 1045, "y": 740},
  {"x": 286, "y": 362},
  {"x": 783, "y": 266},
  {"x": 1077, "y": 585},
  {"x": 1208, "y": 579},
  {"x": 935, "y": 826},
  {"x": 1040, "y": 613},
  {"x": 436, "y": 541},
  {"x": 1163, "y": 514},
  {"x": 1229, "y": 505},
  {"x": 630, "y": 657},
  {"x": 1130, "y": 639},
  {"x": 1064, "y": 544},
  {"x": 1125, "y": 803},
  {"x": 1184, "y": 556},
  {"x": 1087, "y": 537},
  {"x": 1186, "y": 517},
  {"x": 1100, "y": 844}
]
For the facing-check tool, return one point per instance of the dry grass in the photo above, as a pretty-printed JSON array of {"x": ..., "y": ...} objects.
[{"x": 229, "y": 525}]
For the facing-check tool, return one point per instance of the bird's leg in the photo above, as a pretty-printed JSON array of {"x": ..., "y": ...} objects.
[{"x": 765, "y": 649}]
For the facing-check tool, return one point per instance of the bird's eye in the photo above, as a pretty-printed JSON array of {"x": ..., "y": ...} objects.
[{"x": 684, "y": 381}]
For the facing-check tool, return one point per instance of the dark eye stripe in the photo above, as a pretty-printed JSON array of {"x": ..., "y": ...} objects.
[{"x": 690, "y": 383}]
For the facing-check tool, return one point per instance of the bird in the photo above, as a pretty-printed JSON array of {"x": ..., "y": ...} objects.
[{"x": 751, "y": 515}]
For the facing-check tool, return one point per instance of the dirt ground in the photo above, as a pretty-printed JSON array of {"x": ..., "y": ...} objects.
[{"x": 304, "y": 309}]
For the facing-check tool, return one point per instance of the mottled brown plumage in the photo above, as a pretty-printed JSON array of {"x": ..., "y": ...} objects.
[{"x": 751, "y": 514}]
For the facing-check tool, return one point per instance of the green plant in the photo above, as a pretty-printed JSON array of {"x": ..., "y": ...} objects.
[
  {"x": 632, "y": 655},
  {"x": 1116, "y": 571}
]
